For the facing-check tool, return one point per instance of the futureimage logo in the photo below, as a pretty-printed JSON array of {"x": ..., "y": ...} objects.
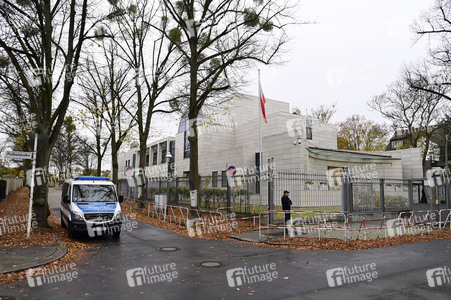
[
  {"x": 438, "y": 276},
  {"x": 14, "y": 224},
  {"x": 100, "y": 226},
  {"x": 349, "y": 275},
  {"x": 240, "y": 276},
  {"x": 150, "y": 275},
  {"x": 39, "y": 276}
]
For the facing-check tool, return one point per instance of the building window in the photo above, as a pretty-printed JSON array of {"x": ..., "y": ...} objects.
[
  {"x": 172, "y": 149},
  {"x": 224, "y": 179},
  {"x": 396, "y": 144},
  {"x": 214, "y": 179},
  {"x": 186, "y": 150},
  {"x": 154, "y": 151},
  {"x": 164, "y": 151},
  {"x": 186, "y": 174},
  {"x": 308, "y": 130},
  {"x": 134, "y": 160},
  {"x": 147, "y": 157}
]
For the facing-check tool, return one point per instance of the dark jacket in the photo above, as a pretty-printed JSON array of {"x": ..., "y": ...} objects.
[{"x": 286, "y": 203}]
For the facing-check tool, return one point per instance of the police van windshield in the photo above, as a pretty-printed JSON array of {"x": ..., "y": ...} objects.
[{"x": 94, "y": 193}]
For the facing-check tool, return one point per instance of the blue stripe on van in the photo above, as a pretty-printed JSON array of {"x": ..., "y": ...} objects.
[{"x": 93, "y": 207}]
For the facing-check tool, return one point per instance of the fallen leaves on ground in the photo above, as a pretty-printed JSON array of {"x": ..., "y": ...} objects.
[
  {"x": 17, "y": 205},
  {"x": 217, "y": 232}
]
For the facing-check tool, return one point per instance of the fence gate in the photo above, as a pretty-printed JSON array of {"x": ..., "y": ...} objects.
[{"x": 366, "y": 196}]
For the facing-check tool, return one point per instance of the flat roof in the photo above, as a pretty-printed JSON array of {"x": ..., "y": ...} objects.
[{"x": 347, "y": 155}]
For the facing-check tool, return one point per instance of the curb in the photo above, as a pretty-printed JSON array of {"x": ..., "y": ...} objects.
[{"x": 60, "y": 251}]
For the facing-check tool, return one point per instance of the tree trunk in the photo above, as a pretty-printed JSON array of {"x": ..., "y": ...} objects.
[
  {"x": 99, "y": 156},
  {"x": 192, "y": 115},
  {"x": 40, "y": 197},
  {"x": 194, "y": 157},
  {"x": 115, "y": 164},
  {"x": 142, "y": 168}
]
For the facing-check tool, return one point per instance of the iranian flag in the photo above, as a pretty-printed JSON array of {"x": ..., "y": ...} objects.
[{"x": 262, "y": 100}]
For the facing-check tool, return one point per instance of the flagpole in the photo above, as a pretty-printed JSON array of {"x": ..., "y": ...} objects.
[{"x": 260, "y": 139}]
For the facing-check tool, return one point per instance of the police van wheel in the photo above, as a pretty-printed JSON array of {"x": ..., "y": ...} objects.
[
  {"x": 116, "y": 234},
  {"x": 62, "y": 221}
]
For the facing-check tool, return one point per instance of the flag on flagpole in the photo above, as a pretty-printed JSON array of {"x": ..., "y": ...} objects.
[{"x": 262, "y": 100}]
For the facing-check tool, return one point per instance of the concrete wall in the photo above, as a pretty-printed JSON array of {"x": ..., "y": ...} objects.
[
  {"x": 236, "y": 141},
  {"x": 12, "y": 184},
  {"x": 410, "y": 165}
]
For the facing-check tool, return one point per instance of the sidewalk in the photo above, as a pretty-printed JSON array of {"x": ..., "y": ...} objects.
[
  {"x": 20, "y": 258},
  {"x": 23, "y": 256}
]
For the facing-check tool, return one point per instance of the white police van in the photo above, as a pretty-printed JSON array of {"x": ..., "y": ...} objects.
[{"x": 90, "y": 204}]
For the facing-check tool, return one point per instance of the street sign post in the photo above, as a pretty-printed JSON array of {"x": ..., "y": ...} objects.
[
  {"x": 33, "y": 169},
  {"x": 18, "y": 155}
]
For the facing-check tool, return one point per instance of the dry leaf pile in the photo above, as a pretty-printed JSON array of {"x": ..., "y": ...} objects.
[
  {"x": 291, "y": 243},
  {"x": 17, "y": 205}
]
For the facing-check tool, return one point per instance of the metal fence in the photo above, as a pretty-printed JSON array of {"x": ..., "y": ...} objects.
[
  {"x": 308, "y": 191},
  {"x": 213, "y": 192},
  {"x": 392, "y": 195},
  {"x": 380, "y": 195},
  {"x": 311, "y": 190}
]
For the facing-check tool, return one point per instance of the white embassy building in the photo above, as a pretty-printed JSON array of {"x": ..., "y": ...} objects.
[{"x": 229, "y": 136}]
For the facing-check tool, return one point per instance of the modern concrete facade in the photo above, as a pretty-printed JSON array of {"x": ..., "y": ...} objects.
[{"x": 229, "y": 136}]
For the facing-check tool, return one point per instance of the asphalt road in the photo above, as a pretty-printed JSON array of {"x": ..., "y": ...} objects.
[{"x": 400, "y": 270}]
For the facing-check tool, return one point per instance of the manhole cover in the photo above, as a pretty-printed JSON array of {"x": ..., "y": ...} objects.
[
  {"x": 211, "y": 264},
  {"x": 168, "y": 249}
]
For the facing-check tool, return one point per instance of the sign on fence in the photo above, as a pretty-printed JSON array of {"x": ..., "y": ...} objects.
[
  {"x": 161, "y": 202},
  {"x": 193, "y": 195}
]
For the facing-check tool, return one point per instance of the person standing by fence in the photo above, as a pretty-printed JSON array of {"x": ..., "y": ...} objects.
[{"x": 286, "y": 206}]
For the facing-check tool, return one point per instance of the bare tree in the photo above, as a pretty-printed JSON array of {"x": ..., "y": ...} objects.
[
  {"x": 435, "y": 25},
  {"x": 42, "y": 43},
  {"x": 110, "y": 83},
  {"x": 218, "y": 41},
  {"x": 91, "y": 116},
  {"x": 414, "y": 109},
  {"x": 324, "y": 112},
  {"x": 85, "y": 155},
  {"x": 141, "y": 30}
]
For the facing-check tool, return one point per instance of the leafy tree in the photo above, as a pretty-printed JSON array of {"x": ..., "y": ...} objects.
[{"x": 357, "y": 133}]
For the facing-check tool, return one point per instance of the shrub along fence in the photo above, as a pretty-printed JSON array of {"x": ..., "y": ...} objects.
[{"x": 308, "y": 191}]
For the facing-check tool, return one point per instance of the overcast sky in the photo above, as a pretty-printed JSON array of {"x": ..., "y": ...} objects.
[
  {"x": 356, "y": 48},
  {"x": 353, "y": 51}
]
